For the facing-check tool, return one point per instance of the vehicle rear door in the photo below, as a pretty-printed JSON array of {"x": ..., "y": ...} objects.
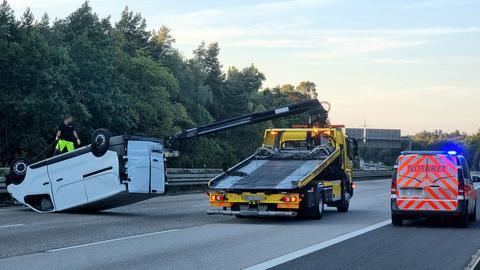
[
  {"x": 157, "y": 169},
  {"x": 427, "y": 182},
  {"x": 145, "y": 167}
]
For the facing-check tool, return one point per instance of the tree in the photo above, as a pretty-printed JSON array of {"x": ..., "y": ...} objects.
[
  {"x": 133, "y": 27},
  {"x": 206, "y": 59},
  {"x": 307, "y": 88}
]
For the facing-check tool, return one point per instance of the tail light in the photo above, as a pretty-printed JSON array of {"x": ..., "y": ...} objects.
[
  {"x": 216, "y": 197},
  {"x": 394, "y": 182},
  {"x": 290, "y": 199}
]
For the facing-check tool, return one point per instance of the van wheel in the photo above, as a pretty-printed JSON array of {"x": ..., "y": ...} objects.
[
  {"x": 100, "y": 142},
  {"x": 462, "y": 221},
  {"x": 18, "y": 170},
  {"x": 473, "y": 216},
  {"x": 397, "y": 220},
  {"x": 317, "y": 210}
]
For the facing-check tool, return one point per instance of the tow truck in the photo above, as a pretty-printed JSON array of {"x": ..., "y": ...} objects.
[
  {"x": 114, "y": 170},
  {"x": 297, "y": 171}
]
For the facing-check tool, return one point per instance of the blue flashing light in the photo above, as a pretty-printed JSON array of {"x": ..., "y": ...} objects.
[{"x": 452, "y": 152}]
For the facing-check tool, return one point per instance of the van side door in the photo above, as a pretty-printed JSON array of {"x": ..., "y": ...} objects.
[{"x": 68, "y": 187}]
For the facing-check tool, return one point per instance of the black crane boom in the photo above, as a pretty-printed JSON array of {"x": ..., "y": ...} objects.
[{"x": 312, "y": 106}]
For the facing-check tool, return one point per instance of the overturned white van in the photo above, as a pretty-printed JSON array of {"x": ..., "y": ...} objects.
[{"x": 111, "y": 172}]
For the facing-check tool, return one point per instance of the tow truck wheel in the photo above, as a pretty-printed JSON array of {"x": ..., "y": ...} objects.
[
  {"x": 317, "y": 210},
  {"x": 100, "y": 142},
  {"x": 344, "y": 204},
  {"x": 18, "y": 170}
]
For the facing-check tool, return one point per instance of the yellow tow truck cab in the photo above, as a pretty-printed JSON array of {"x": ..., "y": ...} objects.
[{"x": 296, "y": 171}]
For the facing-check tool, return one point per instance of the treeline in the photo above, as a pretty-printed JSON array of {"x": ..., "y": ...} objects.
[{"x": 128, "y": 79}]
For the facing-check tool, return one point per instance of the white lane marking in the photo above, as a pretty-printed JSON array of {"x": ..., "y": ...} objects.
[
  {"x": 475, "y": 262},
  {"x": 111, "y": 240},
  {"x": 317, "y": 247},
  {"x": 11, "y": 225}
]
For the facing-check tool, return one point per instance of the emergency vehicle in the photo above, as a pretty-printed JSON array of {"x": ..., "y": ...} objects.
[
  {"x": 433, "y": 184},
  {"x": 113, "y": 170}
]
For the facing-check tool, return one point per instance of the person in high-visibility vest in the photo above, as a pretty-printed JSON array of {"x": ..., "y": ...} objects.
[{"x": 67, "y": 136}]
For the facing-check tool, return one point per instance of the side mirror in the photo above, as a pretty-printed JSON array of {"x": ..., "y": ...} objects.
[{"x": 475, "y": 179}]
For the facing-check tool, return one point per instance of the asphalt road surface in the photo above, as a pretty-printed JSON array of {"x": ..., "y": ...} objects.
[{"x": 173, "y": 232}]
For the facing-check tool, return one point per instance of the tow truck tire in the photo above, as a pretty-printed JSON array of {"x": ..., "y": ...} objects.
[
  {"x": 18, "y": 170},
  {"x": 100, "y": 141},
  {"x": 317, "y": 210},
  {"x": 397, "y": 220},
  {"x": 343, "y": 205},
  {"x": 473, "y": 216}
]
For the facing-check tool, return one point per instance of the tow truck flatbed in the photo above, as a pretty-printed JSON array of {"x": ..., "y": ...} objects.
[{"x": 289, "y": 170}]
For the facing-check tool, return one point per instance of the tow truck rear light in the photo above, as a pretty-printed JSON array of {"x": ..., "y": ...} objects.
[
  {"x": 290, "y": 199},
  {"x": 217, "y": 197}
]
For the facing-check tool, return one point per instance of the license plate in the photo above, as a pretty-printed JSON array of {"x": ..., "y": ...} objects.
[
  {"x": 412, "y": 192},
  {"x": 253, "y": 198}
]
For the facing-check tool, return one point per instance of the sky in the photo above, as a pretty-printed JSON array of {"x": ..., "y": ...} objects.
[{"x": 412, "y": 65}]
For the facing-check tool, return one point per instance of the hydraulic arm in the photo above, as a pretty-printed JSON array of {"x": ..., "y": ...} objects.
[{"x": 311, "y": 106}]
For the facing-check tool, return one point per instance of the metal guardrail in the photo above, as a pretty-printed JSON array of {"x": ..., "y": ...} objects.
[
  {"x": 183, "y": 177},
  {"x": 376, "y": 174},
  {"x": 3, "y": 187}
]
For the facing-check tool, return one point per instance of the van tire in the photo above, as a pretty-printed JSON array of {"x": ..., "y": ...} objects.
[
  {"x": 462, "y": 220},
  {"x": 397, "y": 220},
  {"x": 100, "y": 142},
  {"x": 18, "y": 170},
  {"x": 473, "y": 216},
  {"x": 316, "y": 212}
]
